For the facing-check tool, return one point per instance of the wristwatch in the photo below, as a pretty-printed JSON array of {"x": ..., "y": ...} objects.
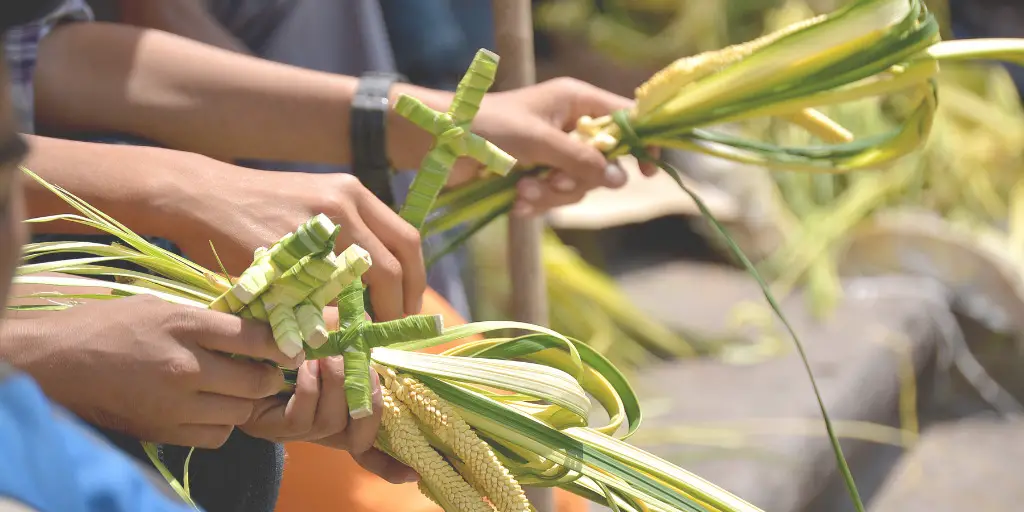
[{"x": 368, "y": 133}]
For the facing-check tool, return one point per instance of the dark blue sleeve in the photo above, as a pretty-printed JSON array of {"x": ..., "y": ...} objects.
[{"x": 52, "y": 462}]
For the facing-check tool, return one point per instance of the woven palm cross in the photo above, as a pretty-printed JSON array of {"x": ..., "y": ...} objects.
[{"x": 452, "y": 138}]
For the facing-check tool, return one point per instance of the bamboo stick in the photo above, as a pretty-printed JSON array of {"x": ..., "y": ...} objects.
[{"x": 513, "y": 33}]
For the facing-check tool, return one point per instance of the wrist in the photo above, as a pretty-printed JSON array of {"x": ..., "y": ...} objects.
[
  {"x": 407, "y": 144},
  {"x": 176, "y": 200},
  {"x": 21, "y": 340}
]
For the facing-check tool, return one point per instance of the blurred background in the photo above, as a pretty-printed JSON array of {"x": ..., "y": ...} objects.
[{"x": 904, "y": 284}]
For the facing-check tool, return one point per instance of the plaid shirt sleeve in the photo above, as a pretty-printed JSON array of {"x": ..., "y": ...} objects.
[{"x": 21, "y": 46}]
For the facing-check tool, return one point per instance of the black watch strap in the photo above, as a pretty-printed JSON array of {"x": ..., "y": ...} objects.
[{"x": 369, "y": 144}]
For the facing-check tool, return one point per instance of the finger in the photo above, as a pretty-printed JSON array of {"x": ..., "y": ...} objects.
[
  {"x": 404, "y": 242},
  {"x": 649, "y": 168},
  {"x": 362, "y": 432},
  {"x": 216, "y": 410},
  {"x": 561, "y": 182},
  {"x": 332, "y": 410},
  {"x": 331, "y": 321},
  {"x": 233, "y": 335},
  {"x": 209, "y": 437},
  {"x": 535, "y": 198},
  {"x": 376, "y": 462},
  {"x": 300, "y": 412},
  {"x": 614, "y": 175},
  {"x": 593, "y": 101},
  {"x": 583, "y": 163},
  {"x": 280, "y": 420},
  {"x": 241, "y": 378},
  {"x": 384, "y": 278}
]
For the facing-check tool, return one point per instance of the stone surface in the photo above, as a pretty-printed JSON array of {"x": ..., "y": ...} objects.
[
  {"x": 972, "y": 464},
  {"x": 856, "y": 356}
]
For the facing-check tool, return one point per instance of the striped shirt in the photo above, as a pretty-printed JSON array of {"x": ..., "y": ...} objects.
[{"x": 21, "y": 46}]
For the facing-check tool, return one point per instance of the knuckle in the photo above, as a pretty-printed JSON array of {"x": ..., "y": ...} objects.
[
  {"x": 243, "y": 413},
  {"x": 340, "y": 191},
  {"x": 347, "y": 182},
  {"x": 263, "y": 381},
  {"x": 564, "y": 82},
  {"x": 181, "y": 320},
  {"x": 390, "y": 268},
  {"x": 181, "y": 366},
  {"x": 332, "y": 371},
  {"x": 110, "y": 420},
  {"x": 410, "y": 236},
  {"x": 334, "y": 423}
]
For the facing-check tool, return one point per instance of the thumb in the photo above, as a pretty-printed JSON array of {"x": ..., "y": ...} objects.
[{"x": 589, "y": 100}]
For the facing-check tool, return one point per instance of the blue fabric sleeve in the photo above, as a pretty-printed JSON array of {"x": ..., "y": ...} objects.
[{"x": 52, "y": 462}]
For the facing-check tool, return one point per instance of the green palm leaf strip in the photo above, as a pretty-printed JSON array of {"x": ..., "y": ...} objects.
[{"x": 528, "y": 397}]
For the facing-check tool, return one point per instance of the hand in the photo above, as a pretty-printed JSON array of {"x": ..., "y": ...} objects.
[
  {"x": 531, "y": 124},
  {"x": 318, "y": 412},
  {"x": 150, "y": 369},
  {"x": 241, "y": 209}
]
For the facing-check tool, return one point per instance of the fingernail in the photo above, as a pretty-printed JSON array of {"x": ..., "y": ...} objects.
[
  {"x": 564, "y": 184},
  {"x": 298, "y": 360},
  {"x": 375, "y": 377},
  {"x": 412, "y": 478},
  {"x": 523, "y": 210},
  {"x": 531, "y": 191},
  {"x": 614, "y": 175},
  {"x": 314, "y": 368}
]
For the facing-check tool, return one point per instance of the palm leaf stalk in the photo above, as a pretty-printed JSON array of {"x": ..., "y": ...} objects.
[
  {"x": 477, "y": 422},
  {"x": 956, "y": 209},
  {"x": 869, "y": 48},
  {"x": 968, "y": 174}
]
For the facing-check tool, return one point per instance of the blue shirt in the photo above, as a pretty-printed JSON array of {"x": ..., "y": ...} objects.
[{"x": 51, "y": 462}]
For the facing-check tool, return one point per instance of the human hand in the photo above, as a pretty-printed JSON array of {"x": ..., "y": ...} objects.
[
  {"x": 241, "y": 209},
  {"x": 531, "y": 124},
  {"x": 318, "y": 412},
  {"x": 153, "y": 370}
]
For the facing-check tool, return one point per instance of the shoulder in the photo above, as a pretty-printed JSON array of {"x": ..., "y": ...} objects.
[
  {"x": 33, "y": 469},
  {"x": 21, "y": 44},
  {"x": 54, "y": 462}
]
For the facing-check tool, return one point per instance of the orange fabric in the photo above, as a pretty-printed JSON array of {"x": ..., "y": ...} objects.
[{"x": 322, "y": 479}]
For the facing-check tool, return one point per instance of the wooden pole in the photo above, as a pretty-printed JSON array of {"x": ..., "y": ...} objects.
[{"x": 513, "y": 32}]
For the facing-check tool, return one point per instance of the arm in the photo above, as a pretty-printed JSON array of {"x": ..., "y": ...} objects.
[
  {"x": 192, "y": 200},
  {"x": 227, "y": 105},
  {"x": 221, "y": 104},
  {"x": 136, "y": 185}
]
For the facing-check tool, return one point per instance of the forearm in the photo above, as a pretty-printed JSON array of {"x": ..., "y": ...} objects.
[
  {"x": 221, "y": 103},
  {"x": 135, "y": 185},
  {"x": 186, "y": 18}
]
